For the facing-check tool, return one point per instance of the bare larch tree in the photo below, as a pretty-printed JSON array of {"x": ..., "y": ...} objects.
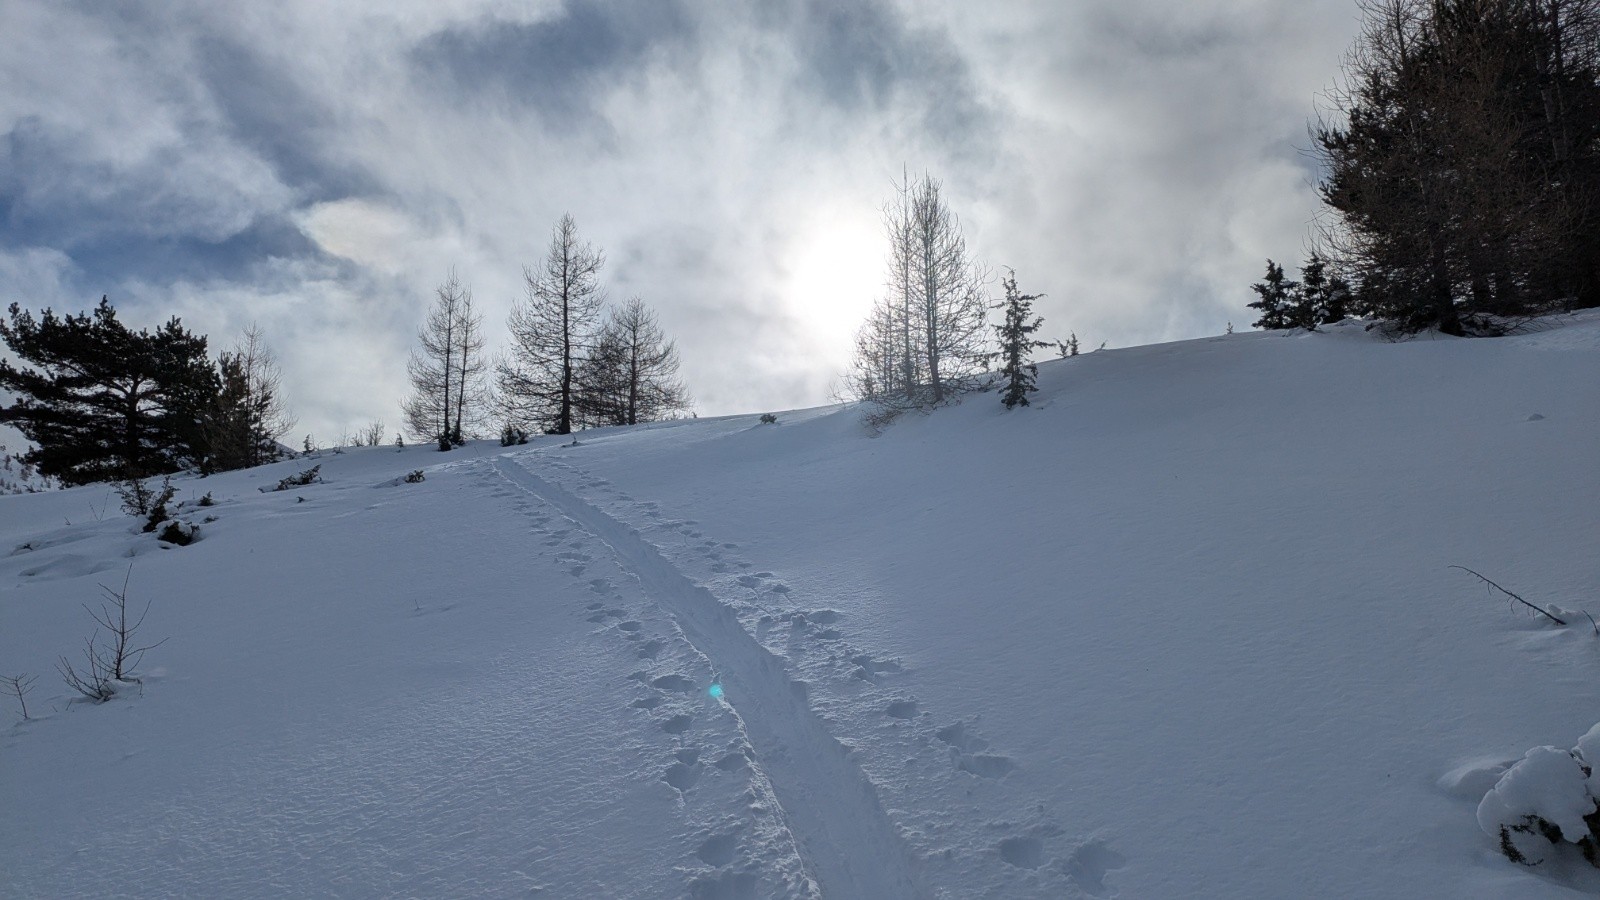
[
  {"x": 434, "y": 366},
  {"x": 632, "y": 374},
  {"x": 927, "y": 339},
  {"x": 552, "y": 332}
]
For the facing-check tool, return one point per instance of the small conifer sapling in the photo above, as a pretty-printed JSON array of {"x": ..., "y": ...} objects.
[{"x": 1017, "y": 343}]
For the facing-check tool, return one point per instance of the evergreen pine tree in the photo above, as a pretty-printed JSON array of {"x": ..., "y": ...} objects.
[
  {"x": 1277, "y": 299},
  {"x": 103, "y": 402},
  {"x": 1016, "y": 343},
  {"x": 1322, "y": 299}
]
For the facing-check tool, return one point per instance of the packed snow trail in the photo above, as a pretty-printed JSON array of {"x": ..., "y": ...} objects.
[{"x": 848, "y": 841}]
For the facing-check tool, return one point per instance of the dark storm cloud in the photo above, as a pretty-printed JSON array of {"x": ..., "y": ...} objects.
[
  {"x": 865, "y": 57},
  {"x": 859, "y": 58},
  {"x": 239, "y": 257},
  {"x": 169, "y": 213},
  {"x": 560, "y": 65},
  {"x": 266, "y": 110}
]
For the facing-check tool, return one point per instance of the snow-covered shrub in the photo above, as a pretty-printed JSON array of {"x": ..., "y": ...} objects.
[
  {"x": 1550, "y": 797},
  {"x": 139, "y": 498},
  {"x": 415, "y": 477},
  {"x": 309, "y": 476},
  {"x": 135, "y": 496},
  {"x": 512, "y": 435},
  {"x": 769, "y": 419},
  {"x": 180, "y": 533},
  {"x": 208, "y": 500},
  {"x": 158, "y": 509}
]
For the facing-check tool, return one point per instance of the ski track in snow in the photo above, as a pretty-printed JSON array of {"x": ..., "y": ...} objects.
[{"x": 832, "y": 807}]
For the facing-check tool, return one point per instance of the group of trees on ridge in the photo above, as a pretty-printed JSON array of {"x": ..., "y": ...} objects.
[
  {"x": 1462, "y": 171},
  {"x": 1461, "y": 174},
  {"x": 570, "y": 363},
  {"x": 100, "y": 401},
  {"x": 929, "y": 339}
]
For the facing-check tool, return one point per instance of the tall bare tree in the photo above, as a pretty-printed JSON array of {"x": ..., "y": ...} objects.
[
  {"x": 269, "y": 414},
  {"x": 435, "y": 364},
  {"x": 552, "y": 332},
  {"x": 471, "y": 388},
  {"x": 927, "y": 339}
]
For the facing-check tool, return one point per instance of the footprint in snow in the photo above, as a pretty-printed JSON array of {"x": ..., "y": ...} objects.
[
  {"x": 678, "y": 725},
  {"x": 673, "y": 683},
  {"x": 868, "y": 668},
  {"x": 630, "y": 625},
  {"x": 595, "y": 605},
  {"x": 1089, "y": 865},
  {"x": 681, "y": 776},
  {"x": 732, "y": 762},
  {"x": 1023, "y": 852},
  {"x": 985, "y": 765},
  {"x": 961, "y": 736},
  {"x": 718, "y": 850},
  {"x": 902, "y": 709},
  {"x": 965, "y": 752},
  {"x": 649, "y": 649},
  {"x": 646, "y": 703}
]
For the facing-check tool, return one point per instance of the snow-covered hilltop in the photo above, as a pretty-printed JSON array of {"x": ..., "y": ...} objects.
[{"x": 1184, "y": 627}]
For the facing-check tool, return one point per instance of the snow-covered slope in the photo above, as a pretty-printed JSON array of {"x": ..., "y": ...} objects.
[{"x": 1185, "y": 627}]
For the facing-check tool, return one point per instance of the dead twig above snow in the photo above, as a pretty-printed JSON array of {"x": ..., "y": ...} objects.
[{"x": 1513, "y": 596}]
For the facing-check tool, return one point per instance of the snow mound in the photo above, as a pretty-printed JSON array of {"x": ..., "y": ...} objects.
[{"x": 1545, "y": 798}]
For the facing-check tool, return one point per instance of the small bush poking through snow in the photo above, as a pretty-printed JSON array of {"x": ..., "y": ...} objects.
[
  {"x": 158, "y": 509},
  {"x": 309, "y": 476},
  {"x": 1550, "y": 797},
  {"x": 181, "y": 534},
  {"x": 769, "y": 419},
  {"x": 109, "y": 662},
  {"x": 142, "y": 499},
  {"x": 208, "y": 500},
  {"x": 416, "y": 477},
  {"x": 18, "y": 686}
]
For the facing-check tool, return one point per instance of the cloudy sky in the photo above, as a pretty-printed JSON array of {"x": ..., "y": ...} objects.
[{"x": 319, "y": 167}]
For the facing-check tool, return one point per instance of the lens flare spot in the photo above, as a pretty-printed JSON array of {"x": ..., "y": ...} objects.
[{"x": 715, "y": 691}]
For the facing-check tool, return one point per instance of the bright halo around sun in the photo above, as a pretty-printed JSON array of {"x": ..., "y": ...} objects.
[{"x": 834, "y": 271}]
